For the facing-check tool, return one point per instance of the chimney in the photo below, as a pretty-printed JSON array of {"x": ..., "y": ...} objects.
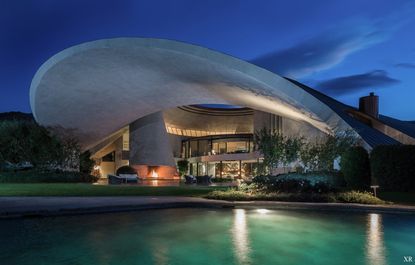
[{"x": 369, "y": 105}]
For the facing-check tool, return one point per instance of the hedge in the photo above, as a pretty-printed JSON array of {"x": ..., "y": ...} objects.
[
  {"x": 301, "y": 182},
  {"x": 355, "y": 167},
  {"x": 393, "y": 167},
  {"x": 36, "y": 176}
]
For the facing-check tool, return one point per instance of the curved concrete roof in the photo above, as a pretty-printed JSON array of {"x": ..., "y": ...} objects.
[{"x": 101, "y": 86}]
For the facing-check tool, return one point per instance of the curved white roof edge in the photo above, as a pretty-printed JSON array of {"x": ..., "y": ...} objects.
[{"x": 101, "y": 86}]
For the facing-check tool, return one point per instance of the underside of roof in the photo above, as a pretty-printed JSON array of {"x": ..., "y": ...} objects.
[{"x": 99, "y": 87}]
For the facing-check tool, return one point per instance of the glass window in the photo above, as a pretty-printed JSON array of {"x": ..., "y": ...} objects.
[
  {"x": 202, "y": 169},
  {"x": 193, "y": 149},
  {"x": 204, "y": 147},
  {"x": 230, "y": 169},
  {"x": 193, "y": 169},
  {"x": 218, "y": 170},
  {"x": 247, "y": 170},
  {"x": 211, "y": 169},
  {"x": 110, "y": 157},
  {"x": 237, "y": 147}
]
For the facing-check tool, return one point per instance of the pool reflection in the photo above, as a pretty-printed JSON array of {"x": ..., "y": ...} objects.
[
  {"x": 240, "y": 238},
  {"x": 375, "y": 247}
]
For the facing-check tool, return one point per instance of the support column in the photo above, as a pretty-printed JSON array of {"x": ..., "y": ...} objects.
[{"x": 150, "y": 149}]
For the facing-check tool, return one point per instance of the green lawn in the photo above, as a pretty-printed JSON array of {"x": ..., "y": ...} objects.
[
  {"x": 82, "y": 189},
  {"x": 398, "y": 197}
]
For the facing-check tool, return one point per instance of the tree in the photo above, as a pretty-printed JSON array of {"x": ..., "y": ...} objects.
[
  {"x": 67, "y": 151},
  {"x": 309, "y": 156},
  {"x": 86, "y": 164},
  {"x": 292, "y": 148},
  {"x": 44, "y": 148},
  {"x": 320, "y": 154},
  {"x": 271, "y": 145},
  {"x": 182, "y": 166},
  {"x": 26, "y": 141}
]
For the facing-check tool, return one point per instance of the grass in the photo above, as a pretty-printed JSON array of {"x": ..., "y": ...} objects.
[
  {"x": 84, "y": 189},
  {"x": 222, "y": 193},
  {"x": 407, "y": 198},
  {"x": 344, "y": 197}
]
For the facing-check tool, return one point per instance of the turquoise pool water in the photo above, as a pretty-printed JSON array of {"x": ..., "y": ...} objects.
[{"x": 210, "y": 236}]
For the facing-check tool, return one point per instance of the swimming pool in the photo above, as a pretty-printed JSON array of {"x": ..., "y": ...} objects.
[{"x": 210, "y": 236}]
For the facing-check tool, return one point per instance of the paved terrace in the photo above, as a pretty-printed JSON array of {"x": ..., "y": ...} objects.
[{"x": 12, "y": 207}]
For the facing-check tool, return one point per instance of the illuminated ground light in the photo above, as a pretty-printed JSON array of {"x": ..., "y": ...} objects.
[{"x": 263, "y": 211}]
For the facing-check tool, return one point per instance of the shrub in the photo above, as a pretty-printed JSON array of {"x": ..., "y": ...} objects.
[
  {"x": 358, "y": 197},
  {"x": 393, "y": 167},
  {"x": 221, "y": 180},
  {"x": 344, "y": 197},
  {"x": 126, "y": 170},
  {"x": 249, "y": 188},
  {"x": 331, "y": 178},
  {"x": 355, "y": 167},
  {"x": 182, "y": 166},
  {"x": 319, "y": 182}
]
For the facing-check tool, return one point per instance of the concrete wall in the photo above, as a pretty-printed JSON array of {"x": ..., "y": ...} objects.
[
  {"x": 267, "y": 120},
  {"x": 106, "y": 168},
  {"x": 176, "y": 144},
  {"x": 149, "y": 142},
  {"x": 119, "y": 161}
]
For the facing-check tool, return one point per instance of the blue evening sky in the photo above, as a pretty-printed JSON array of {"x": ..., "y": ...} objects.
[{"x": 343, "y": 48}]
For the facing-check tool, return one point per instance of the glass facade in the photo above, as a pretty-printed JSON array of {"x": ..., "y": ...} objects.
[
  {"x": 224, "y": 169},
  {"x": 216, "y": 145}
]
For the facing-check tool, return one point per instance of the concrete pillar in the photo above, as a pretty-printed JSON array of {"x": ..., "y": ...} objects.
[
  {"x": 149, "y": 142},
  {"x": 150, "y": 149}
]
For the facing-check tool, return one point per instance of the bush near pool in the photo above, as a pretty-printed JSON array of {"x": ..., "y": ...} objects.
[
  {"x": 355, "y": 167},
  {"x": 319, "y": 182}
]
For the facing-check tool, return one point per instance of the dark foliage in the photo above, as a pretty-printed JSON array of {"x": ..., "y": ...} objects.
[
  {"x": 182, "y": 166},
  {"x": 86, "y": 164},
  {"x": 393, "y": 167},
  {"x": 221, "y": 180},
  {"x": 355, "y": 167},
  {"x": 282, "y": 183},
  {"x": 16, "y": 116},
  {"x": 37, "y": 176}
]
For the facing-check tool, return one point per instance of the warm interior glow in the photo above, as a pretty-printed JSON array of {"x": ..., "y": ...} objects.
[{"x": 154, "y": 174}]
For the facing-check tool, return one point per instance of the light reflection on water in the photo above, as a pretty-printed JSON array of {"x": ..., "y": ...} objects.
[
  {"x": 209, "y": 237},
  {"x": 240, "y": 237},
  {"x": 375, "y": 247},
  {"x": 160, "y": 254}
]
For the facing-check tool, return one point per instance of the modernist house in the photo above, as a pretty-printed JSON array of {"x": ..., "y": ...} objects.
[{"x": 151, "y": 102}]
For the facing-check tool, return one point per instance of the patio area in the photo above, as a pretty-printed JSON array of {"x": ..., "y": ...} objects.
[{"x": 168, "y": 183}]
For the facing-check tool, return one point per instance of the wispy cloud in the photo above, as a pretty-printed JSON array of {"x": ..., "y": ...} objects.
[
  {"x": 354, "y": 83},
  {"x": 332, "y": 46},
  {"x": 405, "y": 65}
]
